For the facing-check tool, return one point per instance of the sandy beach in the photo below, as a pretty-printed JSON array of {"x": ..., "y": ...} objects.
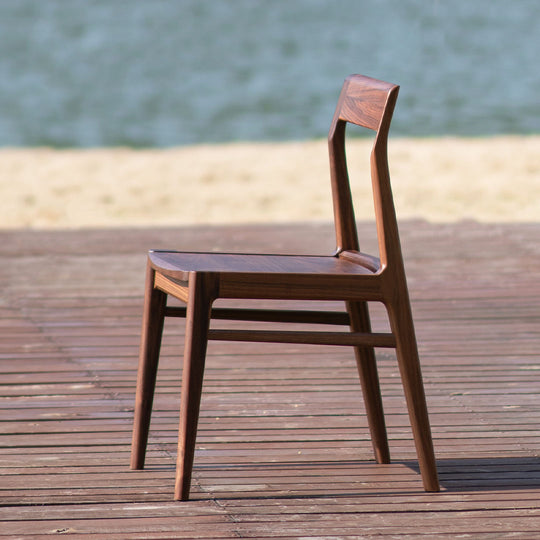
[{"x": 440, "y": 179}]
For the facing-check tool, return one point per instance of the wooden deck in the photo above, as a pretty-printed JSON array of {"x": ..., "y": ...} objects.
[{"x": 283, "y": 449}]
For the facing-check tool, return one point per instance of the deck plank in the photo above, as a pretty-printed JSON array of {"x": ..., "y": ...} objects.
[{"x": 283, "y": 447}]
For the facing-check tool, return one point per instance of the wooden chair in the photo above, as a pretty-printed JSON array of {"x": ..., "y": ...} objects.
[{"x": 198, "y": 279}]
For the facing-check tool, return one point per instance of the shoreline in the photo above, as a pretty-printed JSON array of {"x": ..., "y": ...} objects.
[{"x": 446, "y": 179}]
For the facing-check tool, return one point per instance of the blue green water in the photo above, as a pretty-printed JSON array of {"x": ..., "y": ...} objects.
[{"x": 171, "y": 72}]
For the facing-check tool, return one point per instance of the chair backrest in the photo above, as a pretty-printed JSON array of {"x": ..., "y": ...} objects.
[{"x": 368, "y": 103}]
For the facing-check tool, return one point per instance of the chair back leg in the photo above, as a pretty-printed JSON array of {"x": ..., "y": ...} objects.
[
  {"x": 409, "y": 365},
  {"x": 369, "y": 380},
  {"x": 201, "y": 295},
  {"x": 152, "y": 330}
]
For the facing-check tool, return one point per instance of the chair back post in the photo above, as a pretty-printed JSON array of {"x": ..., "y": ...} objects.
[
  {"x": 368, "y": 103},
  {"x": 344, "y": 218},
  {"x": 385, "y": 214}
]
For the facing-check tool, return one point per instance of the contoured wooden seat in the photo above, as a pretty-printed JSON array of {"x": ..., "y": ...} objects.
[{"x": 348, "y": 275}]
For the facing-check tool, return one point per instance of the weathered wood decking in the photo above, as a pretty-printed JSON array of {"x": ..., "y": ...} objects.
[{"x": 283, "y": 449}]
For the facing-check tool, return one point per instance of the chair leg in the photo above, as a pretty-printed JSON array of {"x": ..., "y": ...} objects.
[
  {"x": 201, "y": 294},
  {"x": 369, "y": 379},
  {"x": 411, "y": 376},
  {"x": 152, "y": 330}
]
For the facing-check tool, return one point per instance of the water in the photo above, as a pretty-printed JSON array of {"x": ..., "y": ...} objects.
[{"x": 172, "y": 72}]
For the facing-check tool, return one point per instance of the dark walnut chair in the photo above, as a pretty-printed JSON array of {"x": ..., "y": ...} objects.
[{"x": 348, "y": 275}]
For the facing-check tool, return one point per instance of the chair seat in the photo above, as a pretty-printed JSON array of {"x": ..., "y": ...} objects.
[
  {"x": 268, "y": 276},
  {"x": 177, "y": 264}
]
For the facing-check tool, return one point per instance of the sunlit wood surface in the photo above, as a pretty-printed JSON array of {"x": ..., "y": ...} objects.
[{"x": 283, "y": 449}]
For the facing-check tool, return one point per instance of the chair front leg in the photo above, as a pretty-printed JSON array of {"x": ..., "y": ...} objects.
[
  {"x": 202, "y": 289},
  {"x": 152, "y": 330},
  {"x": 369, "y": 379}
]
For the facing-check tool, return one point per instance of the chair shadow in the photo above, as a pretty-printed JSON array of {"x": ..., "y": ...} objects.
[
  {"x": 455, "y": 476},
  {"x": 486, "y": 474}
]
